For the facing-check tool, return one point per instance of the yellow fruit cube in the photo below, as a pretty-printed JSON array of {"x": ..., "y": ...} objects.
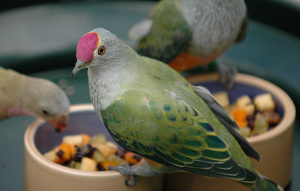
[
  {"x": 264, "y": 102},
  {"x": 88, "y": 164},
  {"x": 222, "y": 98},
  {"x": 73, "y": 139}
]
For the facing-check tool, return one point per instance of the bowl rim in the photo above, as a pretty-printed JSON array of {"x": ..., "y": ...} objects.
[
  {"x": 38, "y": 157},
  {"x": 289, "y": 115}
]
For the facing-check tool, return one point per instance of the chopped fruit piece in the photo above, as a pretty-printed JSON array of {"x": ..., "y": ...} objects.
[
  {"x": 77, "y": 165},
  {"x": 98, "y": 139},
  {"x": 113, "y": 145},
  {"x": 242, "y": 124},
  {"x": 98, "y": 157},
  {"x": 264, "y": 102},
  {"x": 85, "y": 138},
  {"x": 260, "y": 125},
  {"x": 222, "y": 98},
  {"x": 88, "y": 164},
  {"x": 73, "y": 139},
  {"x": 240, "y": 115},
  {"x": 106, "y": 164},
  {"x": 51, "y": 155},
  {"x": 250, "y": 109},
  {"x": 106, "y": 150},
  {"x": 272, "y": 117},
  {"x": 243, "y": 101},
  {"x": 63, "y": 154},
  {"x": 116, "y": 159},
  {"x": 245, "y": 132},
  {"x": 131, "y": 158}
]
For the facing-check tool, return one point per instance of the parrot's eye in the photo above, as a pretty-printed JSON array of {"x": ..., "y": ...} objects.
[{"x": 101, "y": 50}]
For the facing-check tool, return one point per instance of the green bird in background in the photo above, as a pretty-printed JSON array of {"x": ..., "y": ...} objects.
[
  {"x": 190, "y": 33},
  {"x": 150, "y": 109}
]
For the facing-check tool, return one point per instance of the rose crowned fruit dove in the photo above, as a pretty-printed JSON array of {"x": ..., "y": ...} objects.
[
  {"x": 190, "y": 33},
  {"x": 150, "y": 109}
]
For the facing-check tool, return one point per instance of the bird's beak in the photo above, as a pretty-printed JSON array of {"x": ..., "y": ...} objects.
[
  {"x": 79, "y": 66},
  {"x": 60, "y": 124}
]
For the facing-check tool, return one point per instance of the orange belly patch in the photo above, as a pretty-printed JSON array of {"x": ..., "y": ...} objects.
[
  {"x": 185, "y": 61},
  {"x": 155, "y": 164}
]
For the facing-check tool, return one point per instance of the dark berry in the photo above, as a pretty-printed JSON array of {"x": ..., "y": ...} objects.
[{"x": 60, "y": 153}]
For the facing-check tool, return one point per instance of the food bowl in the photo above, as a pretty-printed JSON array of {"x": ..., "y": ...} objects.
[
  {"x": 42, "y": 174},
  {"x": 275, "y": 146}
]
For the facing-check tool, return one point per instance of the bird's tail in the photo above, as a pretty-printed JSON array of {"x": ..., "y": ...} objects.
[{"x": 264, "y": 184}]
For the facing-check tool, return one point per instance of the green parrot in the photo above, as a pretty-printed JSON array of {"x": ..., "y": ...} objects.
[
  {"x": 150, "y": 109},
  {"x": 190, "y": 33}
]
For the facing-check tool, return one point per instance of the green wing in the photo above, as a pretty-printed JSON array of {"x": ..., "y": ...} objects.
[
  {"x": 226, "y": 120},
  {"x": 169, "y": 32},
  {"x": 171, "y": 132}
]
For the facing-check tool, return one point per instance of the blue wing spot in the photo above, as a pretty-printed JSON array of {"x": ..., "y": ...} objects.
[
  {"x": 186, "y": 108},
  {"x": 207, "y": 126},
  {"x": 216, "y": 155},
  {"x": 196, "y": 113},
  {"x": 172, "y": 118},
  {"x": 195, "y": 144},
  {"x": 215, "y": 142},
  {"x": 167, "y": 107},
  {"x": 184, "y": 118}
]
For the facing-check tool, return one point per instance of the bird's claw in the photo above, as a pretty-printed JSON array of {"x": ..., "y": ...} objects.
[
  {"x": 226, "y": 75},
  {"x": 130, "y": 181},
  {"x": 125, "y": 170}
]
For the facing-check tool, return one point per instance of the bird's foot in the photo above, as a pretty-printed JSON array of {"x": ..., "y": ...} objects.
[
  {"x": 226, "y": 75},
  {"x": 125, "y": 170},
  {"x": 130, "y": 181}
]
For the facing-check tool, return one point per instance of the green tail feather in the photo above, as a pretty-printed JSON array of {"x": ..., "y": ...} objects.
[{"x": 264, "y": 184}]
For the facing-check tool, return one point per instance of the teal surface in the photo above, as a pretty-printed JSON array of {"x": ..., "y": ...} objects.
[
  {"x": 41, "y": 41},
  {"x": 282, "y": 14}
]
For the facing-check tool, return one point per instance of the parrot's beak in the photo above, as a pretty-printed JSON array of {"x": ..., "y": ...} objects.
[
  {"x": 60, "y": 124},
  {"x": 79, "y": 66}
]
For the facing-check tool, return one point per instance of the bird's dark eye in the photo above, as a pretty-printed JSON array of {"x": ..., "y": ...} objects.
[
  {"x": 101, "y": 50},
  {"x": 45, "y": 112}
]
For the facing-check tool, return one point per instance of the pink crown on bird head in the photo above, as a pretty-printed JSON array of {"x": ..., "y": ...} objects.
[{"x": 86, "y": 46}]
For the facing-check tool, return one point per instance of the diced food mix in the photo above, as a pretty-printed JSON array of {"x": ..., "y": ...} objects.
[
  {"x": 90, "y": 153},
  {"x": 253, "y": 116}
]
